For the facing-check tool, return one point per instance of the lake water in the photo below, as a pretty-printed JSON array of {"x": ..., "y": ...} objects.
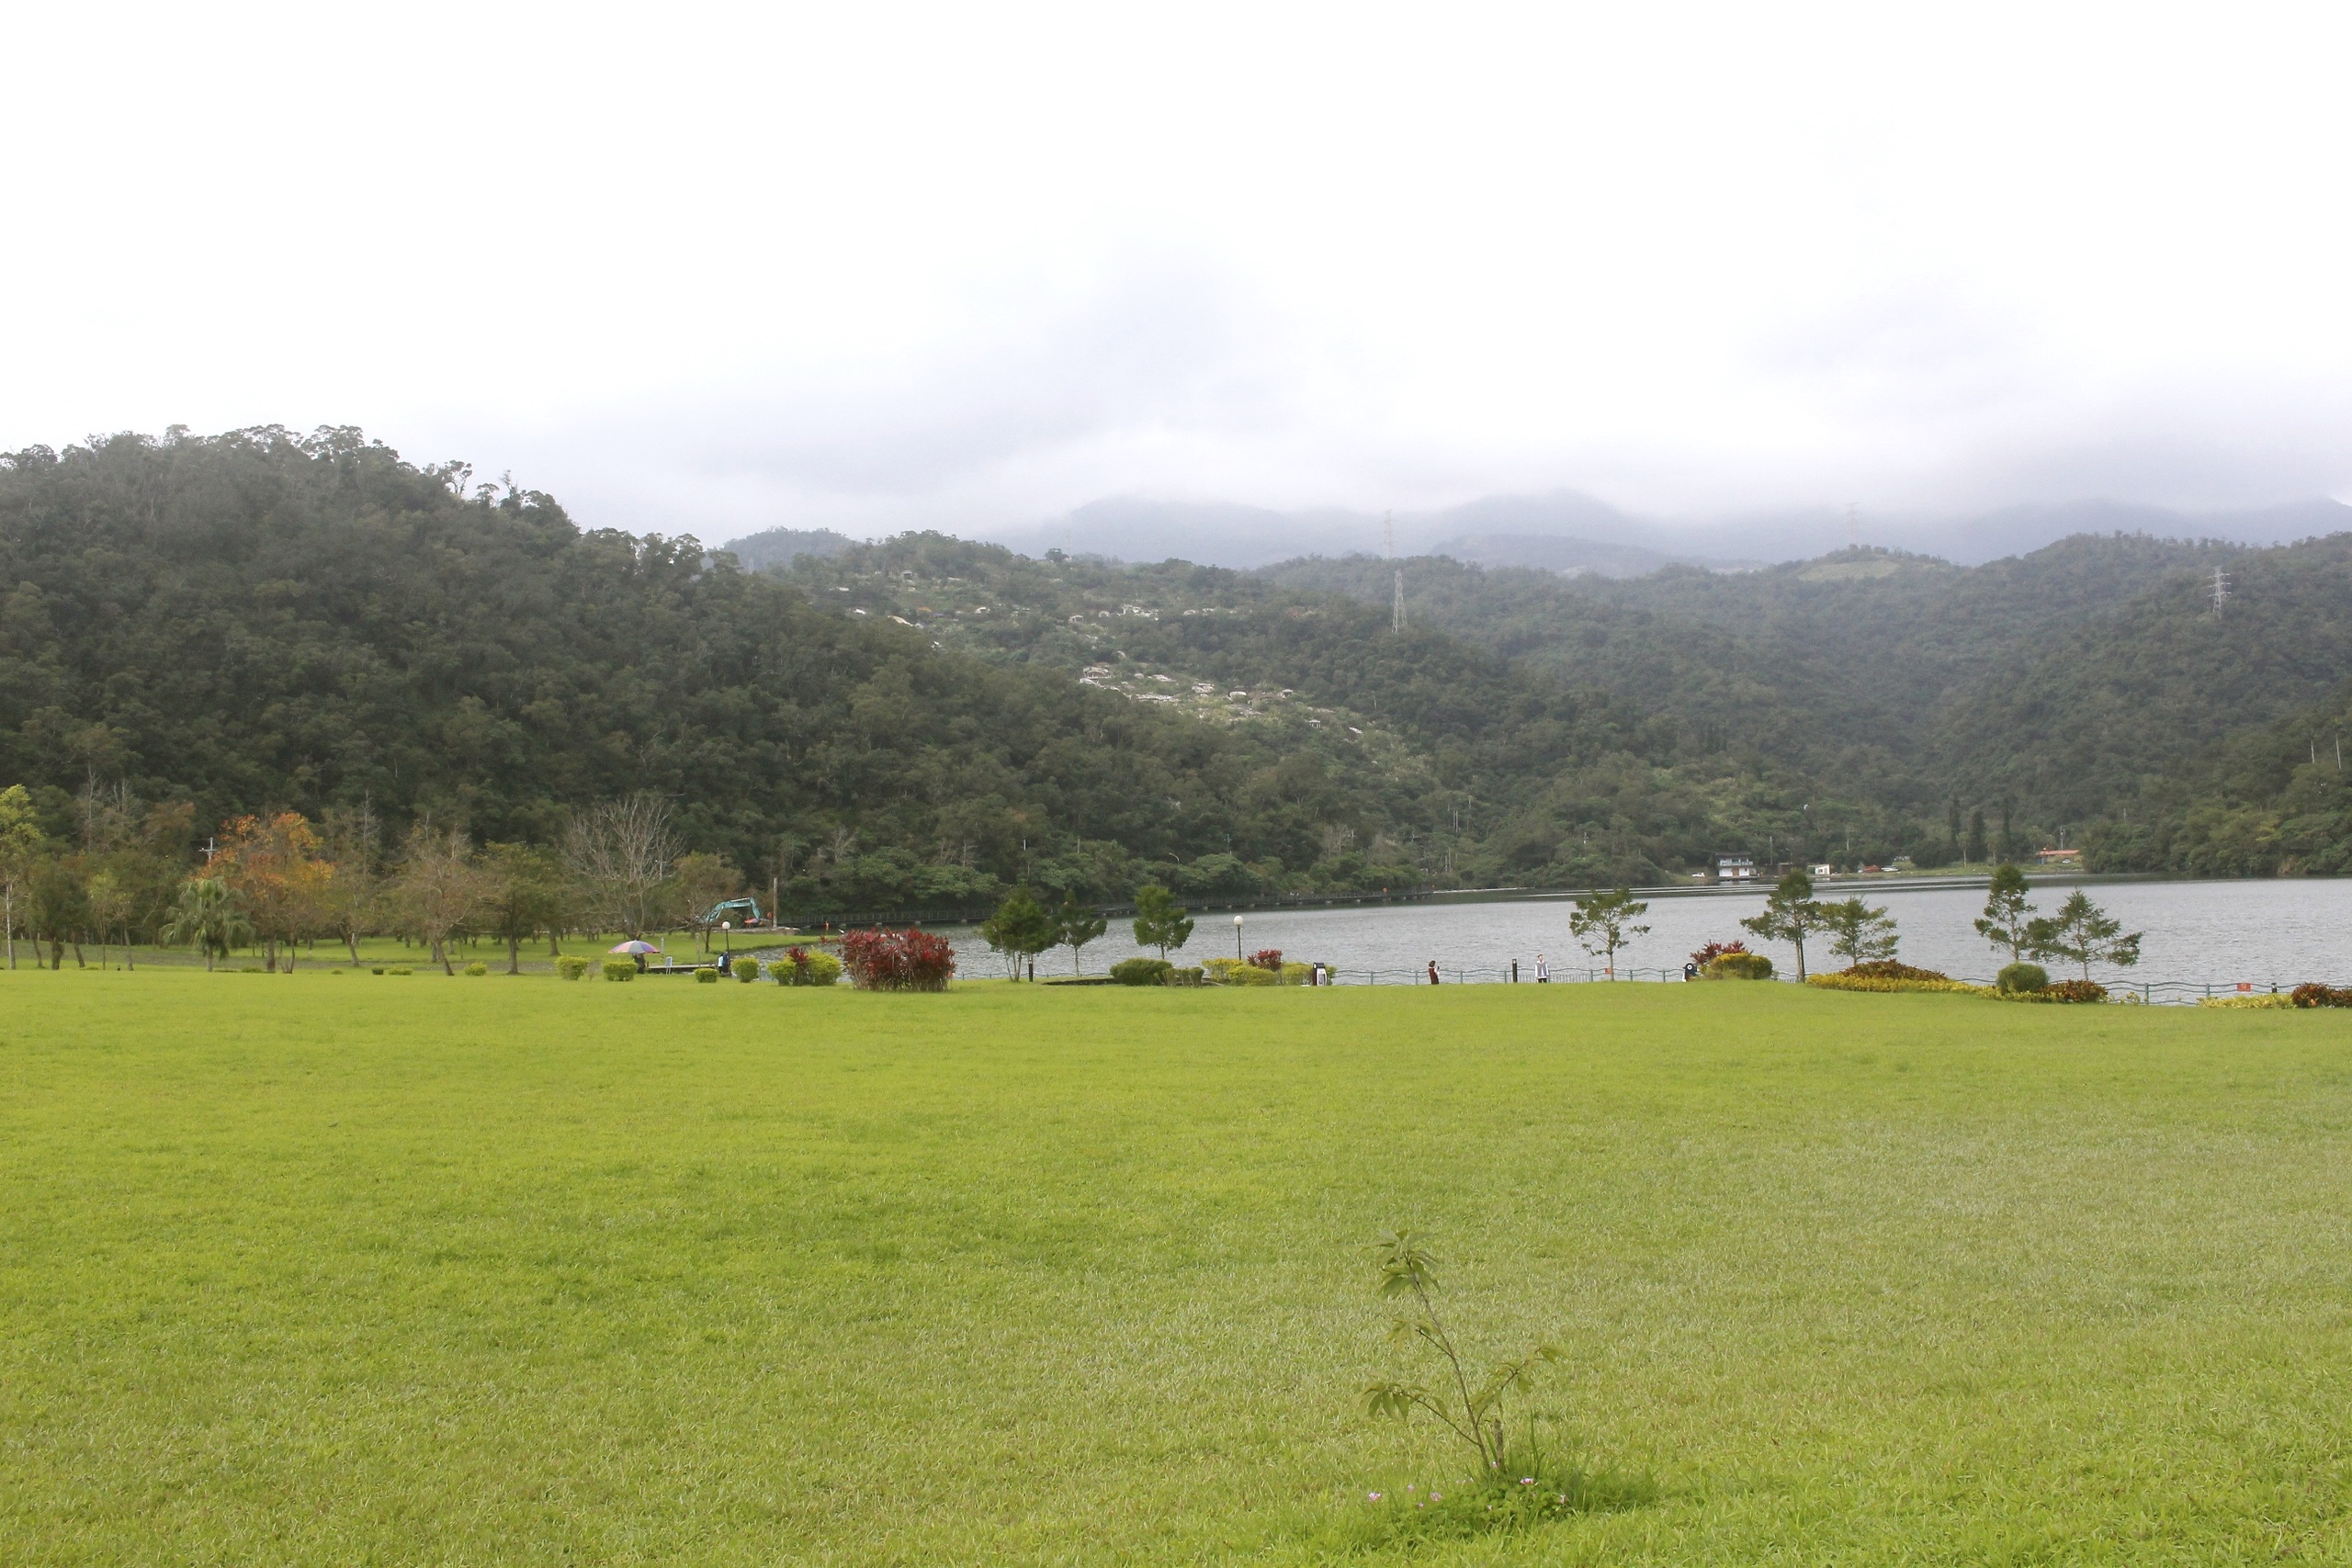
[{"x": 2198, "y": 933}]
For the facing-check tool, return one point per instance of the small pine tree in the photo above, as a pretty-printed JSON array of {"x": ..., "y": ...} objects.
[
  {"x": 1075, "y": 926},
  {"x": 1019, "y": 929},
  {"x": 1161, "y": 922}
]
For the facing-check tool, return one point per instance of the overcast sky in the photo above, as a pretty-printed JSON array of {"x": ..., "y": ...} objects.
[{"x": 707, "y": 268}]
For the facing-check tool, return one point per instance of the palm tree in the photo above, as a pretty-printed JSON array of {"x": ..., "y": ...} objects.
[{"x": 207, "y": 915}]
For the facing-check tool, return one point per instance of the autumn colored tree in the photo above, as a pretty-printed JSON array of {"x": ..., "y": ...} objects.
[{"x": 281, "y": 880}]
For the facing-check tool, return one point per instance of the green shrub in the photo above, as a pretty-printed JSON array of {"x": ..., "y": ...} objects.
[
  {"x": 477, "y": 969},
  {"x": 706, "y": 976},
  {"x": 378, "y": 969},
  {"x": 619, "y": 969},
  {"x": 1233, "y": 972},
  {"x": 1194, "y": 975},
  {"x": 400, "y": 969},
  {"x": 2015, "y": 978},
  {"x": 1142, "y": 971},
  {"x": 2263, "y": 1001},
  {"x": 570, "y": 967},
  {"x": 800, "y": 966},
  {"x": 1293, "y": 974},
  {"x": 746, "y": 968},
  {"x": 1737, "y": 966}
]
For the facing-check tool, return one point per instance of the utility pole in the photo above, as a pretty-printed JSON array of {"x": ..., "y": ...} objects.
[
  {"x": 1396, "y": 611},
  {"x": 2220, "y": 590}
]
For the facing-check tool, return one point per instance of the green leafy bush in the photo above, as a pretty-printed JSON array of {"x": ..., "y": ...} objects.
[
  {"x": 2261, "y": 1001},
  {"x": 477, "y": 969},
  {"x": 1142, "y": 971},
  {"x": 2018, "y": 977},
  {"x": 798, "y": 966},
  {"x": 746, "y": 968},
  {"x": 618, "y": 969},
  {"x": 1195, "y": 975},
  {"x": 1737, "y": 966},
  {"x": 570, "y": 967},
  {"x": 1234, "y": 972},
  {"x": 706, "y": 976},
  {"x": 378, "y": 969}
]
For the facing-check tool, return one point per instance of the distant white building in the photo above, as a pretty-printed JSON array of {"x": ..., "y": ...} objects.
[
  {"x": 1735, "y": 868},
  {"x": 1822, "y": 870}
]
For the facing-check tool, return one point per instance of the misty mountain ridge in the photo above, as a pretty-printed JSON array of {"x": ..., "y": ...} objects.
[{"x": 1569, "y": 531}]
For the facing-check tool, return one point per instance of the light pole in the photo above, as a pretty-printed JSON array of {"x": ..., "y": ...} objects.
[
  {"x": 726, "y": 940},
  {"x": 1236, "y": 938}
]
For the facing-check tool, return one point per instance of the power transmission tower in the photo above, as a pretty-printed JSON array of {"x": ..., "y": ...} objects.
[
  {"x": 1388, "y": 548},
  {"x": 2221, "y": 589}
]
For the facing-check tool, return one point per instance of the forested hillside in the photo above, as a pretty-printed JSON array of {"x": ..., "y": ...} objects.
[
  {"x": 2068, "y": 687},
  {"x": 261, "y": 622},
  {"x": 193, "y": 630}
]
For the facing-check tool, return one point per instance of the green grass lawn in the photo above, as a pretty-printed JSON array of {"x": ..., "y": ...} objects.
[{"x": 358, "y": 1269}]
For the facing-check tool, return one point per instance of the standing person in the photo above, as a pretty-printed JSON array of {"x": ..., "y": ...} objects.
[
  {"x": 1543, "y": 971},
  {"x": 1433, "y": 979}
]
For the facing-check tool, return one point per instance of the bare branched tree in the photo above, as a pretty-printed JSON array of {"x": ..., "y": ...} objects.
[
  {"x": 438, "y": 888},
  {"x": 619, "y": 853}
]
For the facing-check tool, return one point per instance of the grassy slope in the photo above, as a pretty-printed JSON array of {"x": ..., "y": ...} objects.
[{"x": 419, "y": 1270}]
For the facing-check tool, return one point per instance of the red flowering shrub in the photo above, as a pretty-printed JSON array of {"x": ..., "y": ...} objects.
[
  {"x": 2074, "y": 991},
  {"x": 1715, "y": 949},
  {"x": 1267, "y": 958},
  {"x": 909, "y": 960},
  {"x": 2313, "y": 995}
]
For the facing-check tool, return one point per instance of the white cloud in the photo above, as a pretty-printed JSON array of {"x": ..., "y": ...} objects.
[{"x": 723, "y": 266}]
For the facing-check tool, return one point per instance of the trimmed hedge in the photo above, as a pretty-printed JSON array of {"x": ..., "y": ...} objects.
[
  {"x": 706, "y": 976},
  {"x": 1888, "y": 969},
  {"x": 2265, "y": 1001},
  {"x": 1143, "y": 971},
  {"x": 800, "y": 966},
  {"x": 619, "y": 969},
  {"x": 746, "y": 968},
  {"x": 570, "y": 967},
  {"x": 2016, "y": 977},
  {"x": 1843, "y": 982},
  {"x": 1737, "y": 966}
]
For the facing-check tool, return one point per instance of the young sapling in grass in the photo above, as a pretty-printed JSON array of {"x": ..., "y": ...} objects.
[{"x": 1472, "y": 1412}]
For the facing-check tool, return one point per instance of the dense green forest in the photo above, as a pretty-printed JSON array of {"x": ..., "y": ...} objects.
[
  {"x": 2073, "y": 689},
  {"x": 263, "y": 622},
  {"x": 193, "y": 630}
]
